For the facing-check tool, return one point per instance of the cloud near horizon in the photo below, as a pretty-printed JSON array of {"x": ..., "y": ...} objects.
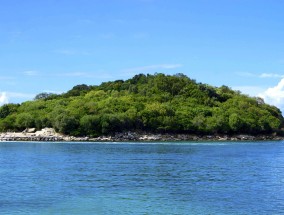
[
  {"x": 3, "y": 98},
  {"x": 274, "y": 95},
  {"x": 6, "y": 96},
  {"x": 153, "y": 67},
  {"x": 250, "y": 90},
  {"x": 271, "y": 75},
  {"x": 262, "y": 75}
]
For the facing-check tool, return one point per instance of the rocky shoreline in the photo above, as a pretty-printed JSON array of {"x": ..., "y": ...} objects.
[
  {"x": 132, "y": 136},
  {"x": 49, "y": 134}
]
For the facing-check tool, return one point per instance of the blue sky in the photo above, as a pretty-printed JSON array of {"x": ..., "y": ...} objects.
[{"x": 53, "y": 45}]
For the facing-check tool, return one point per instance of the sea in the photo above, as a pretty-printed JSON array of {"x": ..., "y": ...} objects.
[{"x": 142, "y": 178}]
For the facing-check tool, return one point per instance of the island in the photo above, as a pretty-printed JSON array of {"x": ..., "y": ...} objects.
[{"x": 143, "y": 108}]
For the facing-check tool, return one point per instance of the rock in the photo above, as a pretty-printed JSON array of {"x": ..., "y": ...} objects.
[
  {"x": 49, "y": 134},
  {"x": 29, "y": 130}
]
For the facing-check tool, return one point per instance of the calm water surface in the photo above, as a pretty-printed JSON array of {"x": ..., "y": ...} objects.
[{"x": 172, "y": 178}]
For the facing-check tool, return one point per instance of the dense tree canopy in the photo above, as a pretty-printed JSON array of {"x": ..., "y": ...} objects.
[{"x": 152, "y": 103}]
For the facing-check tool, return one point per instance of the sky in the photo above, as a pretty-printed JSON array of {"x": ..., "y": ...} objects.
[{"x": 53, "y": 45}]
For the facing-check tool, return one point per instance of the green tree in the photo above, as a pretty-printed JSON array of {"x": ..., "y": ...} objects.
[
  {"x": 90, "y": 125},
  {"x": 24, "y": 120},
  {"x": 66, "y": 124},
  {"x": 7, "y": 109},
  {"x": 235, "y": 122}
]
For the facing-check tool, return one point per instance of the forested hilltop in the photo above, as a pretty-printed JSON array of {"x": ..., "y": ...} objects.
[{"x": 150, "y": 103}]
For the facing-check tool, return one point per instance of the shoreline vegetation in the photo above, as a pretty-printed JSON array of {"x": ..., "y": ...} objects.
[
  {"x": 50, "y": 135},
  {"x": 148, "y": 107}
]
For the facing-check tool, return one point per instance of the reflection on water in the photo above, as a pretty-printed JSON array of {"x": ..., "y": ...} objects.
[{"x": 171, "y": 178}]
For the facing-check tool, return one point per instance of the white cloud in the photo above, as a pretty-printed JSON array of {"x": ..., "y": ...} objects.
[
  {"x": 149, "y": 69},
  {"x": 14, "y": 97},
  {"x": 249, "y": 90},
  {"x": 31, "y": 73},
  {"x": 20, "y": 95},
  {"x": 271, "y": 75},
  {"x": 153, "y": 67},
  {"x": 274, "y": 95},
  {"x": 3, "y": 98},
  {"x": 262, "y": 75}
]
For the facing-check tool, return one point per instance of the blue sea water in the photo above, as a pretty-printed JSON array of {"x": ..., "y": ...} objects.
[{"x": 142, "y": 178}]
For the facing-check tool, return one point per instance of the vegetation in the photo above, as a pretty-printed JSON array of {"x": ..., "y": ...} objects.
[{"x": 152, "y": 103}]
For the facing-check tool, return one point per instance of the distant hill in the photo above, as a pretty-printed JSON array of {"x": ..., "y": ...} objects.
[{"x": 150, "y": 103}]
